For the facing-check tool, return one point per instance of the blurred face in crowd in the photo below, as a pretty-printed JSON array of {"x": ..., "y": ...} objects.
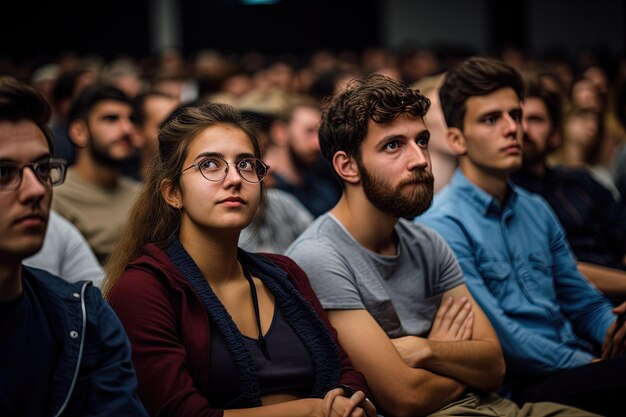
[
  {"x": 303, "y": 136},
  {"x": 538, "y": 130},
  {"x": 156, "y": 110},
  {"x": 582, "y": 128},
  {"x": 110, "y": 131},
  {"x": 585, "y": 94}
]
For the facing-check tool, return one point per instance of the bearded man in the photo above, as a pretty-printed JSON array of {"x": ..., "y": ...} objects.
[{"x": 96, "y": 197}]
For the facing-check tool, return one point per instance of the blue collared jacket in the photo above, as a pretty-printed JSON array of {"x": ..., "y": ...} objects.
[
  {"x": 521, "y": 270},
  {"x": 94, "y": 375}
]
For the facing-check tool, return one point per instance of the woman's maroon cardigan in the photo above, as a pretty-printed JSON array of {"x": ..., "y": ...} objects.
[{"x": 169, "y": 331}]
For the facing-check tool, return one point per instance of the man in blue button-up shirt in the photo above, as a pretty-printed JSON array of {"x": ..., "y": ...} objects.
[{"x": 551, "y": 321}]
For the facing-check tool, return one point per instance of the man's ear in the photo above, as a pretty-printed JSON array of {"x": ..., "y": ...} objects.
[
  {"x": 78, "y": 133},
  {"x": 456, "y": 141},
  {"x": 346, "y": 167},
  {"x": 171, "y": 194}
]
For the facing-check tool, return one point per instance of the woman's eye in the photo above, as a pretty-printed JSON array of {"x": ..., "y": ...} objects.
[
  {"x": 246, "y": 165},
  {"x": 209, "y": 164}
]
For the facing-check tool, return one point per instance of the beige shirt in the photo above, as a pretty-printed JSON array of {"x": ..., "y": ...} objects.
[{"x": 99, "y": 213}]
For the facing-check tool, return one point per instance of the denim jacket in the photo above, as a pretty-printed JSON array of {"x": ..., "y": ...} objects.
[
  {"x": 521, "y": 270},
  {"x": 94, "y": 375}
]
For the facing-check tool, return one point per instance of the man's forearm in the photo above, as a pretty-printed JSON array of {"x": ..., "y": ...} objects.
[{"x": 475, "y": 362}]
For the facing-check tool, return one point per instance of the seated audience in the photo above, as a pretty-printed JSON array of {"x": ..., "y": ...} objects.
[
  {"x": 393, "y": 289},
  {"x": 216, "y": 330}
]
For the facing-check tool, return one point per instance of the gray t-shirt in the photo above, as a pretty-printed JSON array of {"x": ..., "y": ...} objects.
[{"x": 401, "y": 292}]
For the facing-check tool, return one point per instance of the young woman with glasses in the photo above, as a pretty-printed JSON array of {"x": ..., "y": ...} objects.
[{"x": 216, "y": 330}]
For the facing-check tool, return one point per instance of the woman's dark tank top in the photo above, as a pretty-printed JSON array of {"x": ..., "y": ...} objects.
[{"x": 290, "y": 369}]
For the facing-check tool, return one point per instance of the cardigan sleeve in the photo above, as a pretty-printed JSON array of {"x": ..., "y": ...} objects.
[
  {"x": 349, "y": 376},
  {"x": 151, "y": 314}
]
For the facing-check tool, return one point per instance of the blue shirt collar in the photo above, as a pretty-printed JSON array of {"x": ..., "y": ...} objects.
[{"x": 484, "y": 202}]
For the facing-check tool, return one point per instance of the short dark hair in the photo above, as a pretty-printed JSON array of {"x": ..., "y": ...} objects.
[
  {"x": 376, "y": 97},
  {"x": 20, "y": 101},
  {"x": 92, "y": 95},
  {"x": 475, "y": 76}
]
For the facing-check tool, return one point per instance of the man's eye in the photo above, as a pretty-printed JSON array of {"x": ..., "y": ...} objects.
[
  {"x": 422, "y": 142},
  {"x": 392, "y": 146},
  {"x": 43, "y": 170},
  {"x": 490, "y": 120},
  {"x": 7, "y": 172}
]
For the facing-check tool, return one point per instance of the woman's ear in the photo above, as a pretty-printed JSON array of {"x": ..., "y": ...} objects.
[
  {"x": 78, "y": 133},
  {"x": 346, "y": 167},
  {"x": 171, "y": 194},
  {"x": 456, "y": 141}
]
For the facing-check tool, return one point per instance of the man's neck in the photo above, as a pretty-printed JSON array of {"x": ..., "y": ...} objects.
[
  {"x": 370, "y": 227},
  {"x": 93, "y": 172},
  {"x": 494, "y": 184},
  {"x": 10, "y": 281}
]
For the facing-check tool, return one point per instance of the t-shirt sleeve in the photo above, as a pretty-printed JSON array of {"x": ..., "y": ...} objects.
[{"x": 329, "y": 274}]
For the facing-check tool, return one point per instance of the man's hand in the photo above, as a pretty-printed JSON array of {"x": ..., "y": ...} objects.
[
  {"x": 454, "y": 320},
  {"x": 615, "y": 339}
]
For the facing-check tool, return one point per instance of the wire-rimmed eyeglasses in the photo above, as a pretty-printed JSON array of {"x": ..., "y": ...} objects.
[
  {"x": 48, "y": 172},
  {"x": 215, "y": 168}
]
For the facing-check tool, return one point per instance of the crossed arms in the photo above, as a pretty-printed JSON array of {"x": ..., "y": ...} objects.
[{"x": 414, "y": 375}]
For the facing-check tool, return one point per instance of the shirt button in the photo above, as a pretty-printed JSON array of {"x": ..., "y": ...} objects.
[
  {"x": 73, "y": 334},
  {"x": 76, "y": 295}
]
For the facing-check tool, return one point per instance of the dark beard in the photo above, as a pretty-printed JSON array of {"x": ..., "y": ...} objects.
[
  {"x": 392, "y": 201},
  {"x": 100, "y": 154},
  {"x": 300, "y": 164},
  {"x": 532, "y": 156}
]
